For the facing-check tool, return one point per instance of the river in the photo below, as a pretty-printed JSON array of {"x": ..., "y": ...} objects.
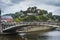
[{"x": 51, "y": 35}]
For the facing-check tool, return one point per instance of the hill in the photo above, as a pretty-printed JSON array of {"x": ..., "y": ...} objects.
[{"x": 33, "y": 14}]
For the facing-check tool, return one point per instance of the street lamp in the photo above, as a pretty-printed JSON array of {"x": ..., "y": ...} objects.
[
  {"x": 0, "y": 21},
  {"x": 0, "y": 15}
]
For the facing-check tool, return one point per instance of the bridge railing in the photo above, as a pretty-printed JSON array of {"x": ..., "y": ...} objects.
[
  {"x": 6, "y": 25},
  {"x": 29, "y": 23}
]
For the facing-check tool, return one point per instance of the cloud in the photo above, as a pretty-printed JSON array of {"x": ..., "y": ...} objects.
[
  {"x": 17, "y": 7},
  {"x": 57, "y": 11},
  {"x": 54, "y": 2},
  {"x": 14, "y": 1},
  {"x": 12, "y": 6},
  {"x": 4, "y": 4},
  {"x": 49, "y": 2},
  {"x": 6, "y": 1}
]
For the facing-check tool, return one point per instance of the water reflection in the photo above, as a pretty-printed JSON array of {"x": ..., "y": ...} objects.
[
  {"x": 48, "y": 38},
  {"x": 9, "y": 37},
  {"x": 53, "y": 35}
]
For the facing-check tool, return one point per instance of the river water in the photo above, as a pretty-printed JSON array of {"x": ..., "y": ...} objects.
[{"x": 51, "y": 35}]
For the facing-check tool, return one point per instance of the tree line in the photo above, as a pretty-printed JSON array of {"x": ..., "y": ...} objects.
[{"x": 33, "y": 14}]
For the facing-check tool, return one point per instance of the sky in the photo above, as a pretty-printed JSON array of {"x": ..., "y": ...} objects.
[{"x": 12, "y": 6}]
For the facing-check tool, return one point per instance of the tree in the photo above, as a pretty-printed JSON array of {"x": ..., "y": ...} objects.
[
  {"x": 43, "y": 18},
  {"x": 30, "y": 18},
  {"x": 29, "y": 9},
  {"x": 50, "y": 15},
  {"x": 36, "y": 15}
]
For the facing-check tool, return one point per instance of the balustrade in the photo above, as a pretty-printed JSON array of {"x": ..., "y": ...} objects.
[{"x": 28, "y": 23}]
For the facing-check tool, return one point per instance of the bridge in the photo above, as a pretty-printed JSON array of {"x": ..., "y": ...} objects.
[{"x": 21, "y": 25}]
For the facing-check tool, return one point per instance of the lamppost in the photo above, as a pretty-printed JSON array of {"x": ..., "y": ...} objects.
[
  {"x": 0, "y": 22},
  {"x": 0, "y": 15}
]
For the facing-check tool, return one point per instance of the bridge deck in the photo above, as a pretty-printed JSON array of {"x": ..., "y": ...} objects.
[
  {"x": 25, "y": 24},
  {"x": 13, "y": 27}
]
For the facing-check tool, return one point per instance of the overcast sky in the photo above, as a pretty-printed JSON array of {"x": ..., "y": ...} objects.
[{"x": 11, "y": 6}]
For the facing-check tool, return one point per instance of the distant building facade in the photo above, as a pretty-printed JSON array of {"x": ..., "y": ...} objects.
[{"x": 6, "y": 19}]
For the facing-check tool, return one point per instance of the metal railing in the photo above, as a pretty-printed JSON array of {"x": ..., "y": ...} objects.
[{"x": 29, "y": 23}]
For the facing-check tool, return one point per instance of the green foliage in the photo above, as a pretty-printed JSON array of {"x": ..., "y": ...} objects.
[
  {"x": 16, "y": 20},
  {"x": 56, "y": 17},
  {"x": 37, "y": 15},
  {"x": 29, "y": 18}
]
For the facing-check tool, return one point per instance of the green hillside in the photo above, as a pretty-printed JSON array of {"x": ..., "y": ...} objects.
[{"x": 33, "y": 14}]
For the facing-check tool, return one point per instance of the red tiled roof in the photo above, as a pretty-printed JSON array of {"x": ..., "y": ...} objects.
[{"x": 7, "y": 19}]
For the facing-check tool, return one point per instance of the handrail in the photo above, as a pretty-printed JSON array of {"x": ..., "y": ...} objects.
[{"x": 30, "y": 23}]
